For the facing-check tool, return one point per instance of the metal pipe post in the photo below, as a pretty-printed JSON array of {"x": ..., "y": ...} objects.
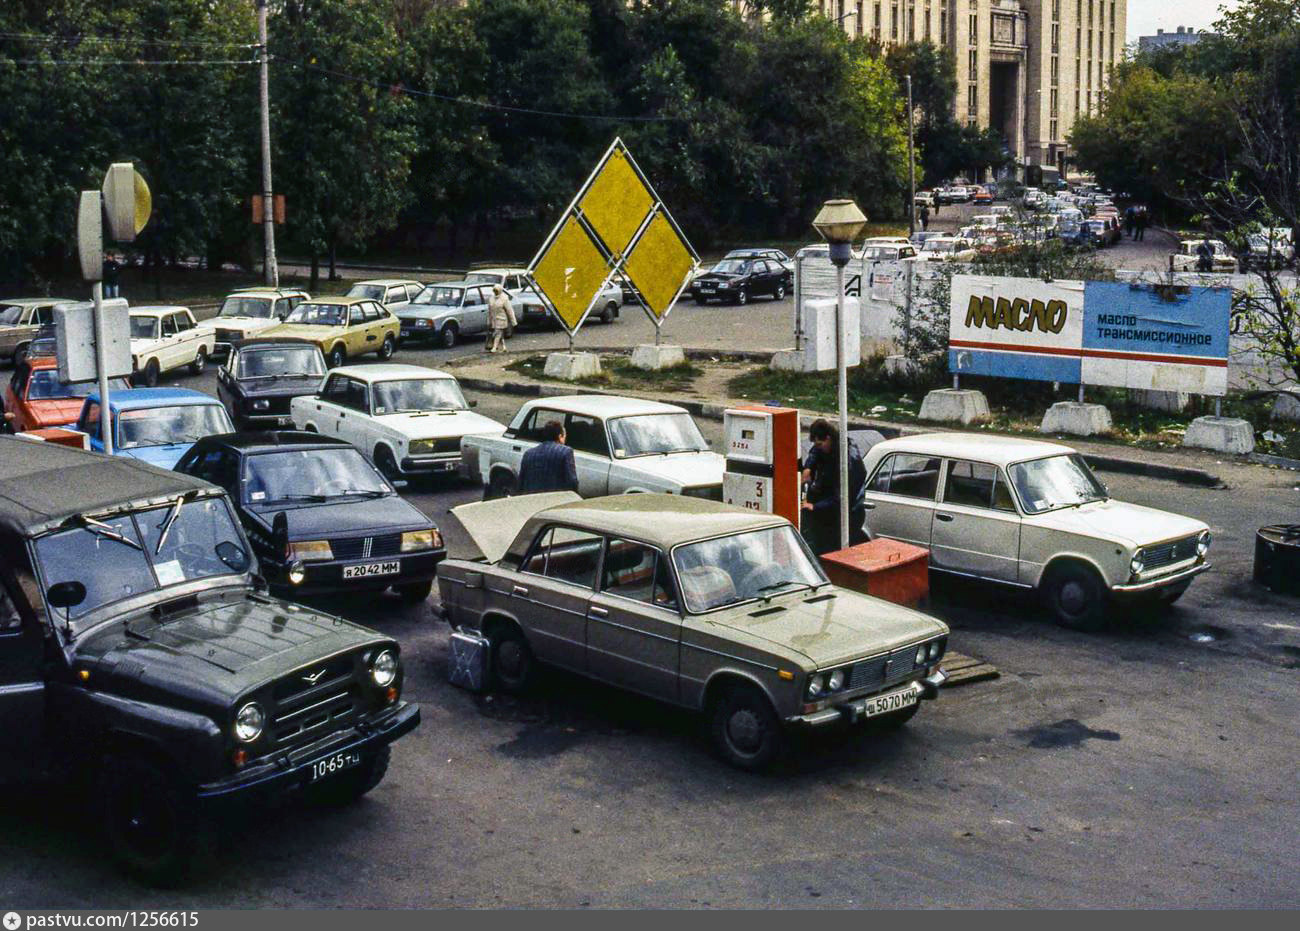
[
  {"x": 270, "y": 269},
  {"x": 101, "y": 369},
  {"x": 911, "y": 162},
  {"x": 842, "y": 373}
]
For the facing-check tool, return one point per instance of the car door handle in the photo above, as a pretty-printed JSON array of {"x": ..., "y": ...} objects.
[
  {"x": 868, "y": 505},
  {"x": 598, "y": 611},
  {"x": 516, "y": 448},
  {"x": 519, "y": 590},
  {"x": 946, "y": 518}
]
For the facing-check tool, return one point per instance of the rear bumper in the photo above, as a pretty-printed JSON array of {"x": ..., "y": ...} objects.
[
  {"x": 290, "y": 771},
  {"x": 850, "y": 712},
  {"x": 1182, "y": 577},
  {"x": 325, "y": 578}
]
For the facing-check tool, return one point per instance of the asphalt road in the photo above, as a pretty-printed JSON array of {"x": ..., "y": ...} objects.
[{"x": 1153, "y": 764}]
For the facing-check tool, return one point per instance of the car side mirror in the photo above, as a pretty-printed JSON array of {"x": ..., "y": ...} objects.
[
  {"x": 234, "y": 556},
  {"x": 473, "y": 403},
  {"x": 65, "y": 594},
  {"x": 473, "y": 580}
]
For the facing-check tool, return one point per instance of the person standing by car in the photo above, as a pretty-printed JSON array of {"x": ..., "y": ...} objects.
[
  {"x": 1130, "y": 216},
  {"x": 112, "y": 273},
  {"x": 549, "y": 465},
  {"x": 501, "y": 317},
  {"x": 1204, "y": 256},
  {"x": 821, "y": 475},
  {"x": 925, "y": 217},
  {"x": 1140, "y": 221}
]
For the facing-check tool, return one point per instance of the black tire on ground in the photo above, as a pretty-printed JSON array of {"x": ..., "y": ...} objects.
[
  {"x": 513, "y": 665},
  {"x": 152, "y": 830},
  {"x": 386, "y": 464},
  {"x": 780, "y": 292},
  {"x": 607, "y": 315},
  {"x": 500, "y": 484},
  {"x": 349, "y": 786},
  {"x": 415, "y": 593},
  {"x": 200, "y": 362},
  {"x": 448, "y": 335},
  {"x": 1076, "y": 597},
  {"x": 149, "y": 377},
  {"x": 745, "y": 730},
  {"x": 742, "y": 297},
  {"x": 338, "y": 356},
  {"x": 387, "y": 348}
]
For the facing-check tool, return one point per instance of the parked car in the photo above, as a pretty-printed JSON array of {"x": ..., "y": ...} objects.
[
  {"x": 606, "y": 308},
  {"x": 735, "y": 281},
  {"x": 250, "y": 311},
  {"x": 512, "y": 279},
  {"x": 878, "y": 250},
  {"x": 167, "y": 338},
  {"x": 1186, "y": 259},
  {"x": 141, "y": 660},
  {"x": 35, "y": 397},
  {"x": 619, "y": 445},
  {"x": 408, "y": 419},
  {"x": 392, "y": 293},
  {"x": 710, "y": 607},
  {"x": 155, "y": 425},
  {"x": 959, "y": 194},
  {"x": 321, "y": 518},
  {"x": 982, "y": 195},
  {"x": 1271, "y": 248},
  {"x": 776, "y": 255},
  {"x": 261, "y": 376},
  {"x": 1030, "y": 514},
  {"x": 924, "y": 199},
  {"x": 447, "y": 311},
  {"x": 947, "y": 249},
  {"x": 21, "y": 319},
  {"x": 343, "y": 327}
]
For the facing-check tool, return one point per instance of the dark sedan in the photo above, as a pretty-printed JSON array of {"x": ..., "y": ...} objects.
[
  {"x": 735, "y": 281},
  {"x": 320, "y": 516},
  {"x": 262, "y": 376}
]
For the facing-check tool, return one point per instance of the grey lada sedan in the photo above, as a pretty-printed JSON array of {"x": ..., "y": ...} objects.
[{"x": 693, "y": 602}]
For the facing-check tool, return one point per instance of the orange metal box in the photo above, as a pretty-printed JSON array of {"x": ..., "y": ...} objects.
[
  {"x": 897, "y": 572},
  {"x": 59, "y": 436}
]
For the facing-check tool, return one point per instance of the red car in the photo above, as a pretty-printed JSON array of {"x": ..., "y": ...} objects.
[
  {"x": 983, "y": 196},
  {"x": 35, "y": 397}
]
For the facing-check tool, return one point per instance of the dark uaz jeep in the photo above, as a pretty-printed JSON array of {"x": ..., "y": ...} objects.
[{"x": 138, "y": 650}]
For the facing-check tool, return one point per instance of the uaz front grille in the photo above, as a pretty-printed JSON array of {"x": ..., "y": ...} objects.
[
  {"x": 313, "y": 702},
  {"x": 1166, "y": 554},
  {"x": 389, "y": 544}
]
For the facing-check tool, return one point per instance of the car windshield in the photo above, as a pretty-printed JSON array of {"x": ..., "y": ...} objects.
[
  {"x": 313, "y": 314},
  {"x": 1056, "y": 482},
  {"x": 268, "y": 363},
  {"x": 744, "y": 566},
  {"x": 654, "y": 434},
  {"x": 11, "y": 315},
  {"x": 259, "y": 307},
  {"x": 47, "y": 386},
  {"x": 372, "y": 291},
  {"x": 159, "y": 426},
  {"x": 447, "y": 297},
  {"x": 732, "y": 267},
  {"x": 485, "y": 278},
  {"x": 418, "y": 394},
  {"x": 880, "y": 253},
  {"x": 144, "y": 327},
  {"x": 133, "y": 554},
  {"x": 938, "y": 245},
  {"x": 311, "y": 475}
]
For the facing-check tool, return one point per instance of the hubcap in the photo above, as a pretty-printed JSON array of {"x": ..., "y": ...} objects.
[
  {"x": 1073, "y": 598},
  {"x": 745, "y": 731}
]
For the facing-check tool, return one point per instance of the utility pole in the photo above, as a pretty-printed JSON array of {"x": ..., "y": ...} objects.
[
  {"x": 911, "y": 163},
  {"x": 271, "y": 269}
]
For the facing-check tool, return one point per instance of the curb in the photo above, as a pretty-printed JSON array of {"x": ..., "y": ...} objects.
[{"x": 1281, "y": 462}]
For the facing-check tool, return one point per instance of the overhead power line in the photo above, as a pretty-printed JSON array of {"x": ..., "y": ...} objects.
[
  {"x": 98, "y": 62},
  {"x": 122, "y": 40}
]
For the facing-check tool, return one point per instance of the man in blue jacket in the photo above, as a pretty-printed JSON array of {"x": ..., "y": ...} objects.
[
  {"x": 821, "y": 507},
  {"x": 549, "y": 465}
]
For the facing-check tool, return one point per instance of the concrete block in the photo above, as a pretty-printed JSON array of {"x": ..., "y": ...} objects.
[
  {"x": 570, "y": 366},
  {"x": 1221, "y": 434},
  {"x": 899, "y": 365},
  {"x": 1170, "y": 401},
  {"x": 1287, "y": 407},
  {"x": 788, "y": 360},
  {"x": 1076, "y": 419},
  {"x": 955, "y": 405},
  {"x": 655, "y": 358}
]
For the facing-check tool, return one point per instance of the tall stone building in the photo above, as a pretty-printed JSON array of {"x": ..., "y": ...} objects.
[{"x": 1027, "y": 68}]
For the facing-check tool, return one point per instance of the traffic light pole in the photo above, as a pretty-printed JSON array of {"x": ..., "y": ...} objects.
[{"x": 271, "y": 269}]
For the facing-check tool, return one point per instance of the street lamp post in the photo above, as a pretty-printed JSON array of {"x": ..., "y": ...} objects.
[
  {"x": 839, "y": 222},
  {"x": 270, "y": 270}
]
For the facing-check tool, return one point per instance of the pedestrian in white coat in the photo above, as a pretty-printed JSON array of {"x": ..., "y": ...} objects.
[{"x": 501, "y": 317}]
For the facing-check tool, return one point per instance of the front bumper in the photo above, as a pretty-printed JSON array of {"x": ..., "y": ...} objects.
[
  {"x": 430, "y": 465},
  {"x": 418, "y": 332},
  {"x": 850, "y": 712},
  {"x": 1181, "y": 577},
  {"x": 290, "y": 771},
  {"x": 325, "y": 578}
]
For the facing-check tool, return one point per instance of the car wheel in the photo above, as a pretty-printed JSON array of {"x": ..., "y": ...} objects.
[
  {"x": 149, "y": 377},
  {"x": 500, "y": 485},
  {"x": 152, "y": 831},
  {"x": 513, "y": 665},
  {"x": 415, "y": 593},
  {"x": 780, "y": 292},
  {"x": 200, "y": 362},
  {"x": 607, "y": 315},
  {"x": 386, "y": 464},
  {"x": 387, "y": 349},
  {"x": 347, "y": 787},
  {"x": 338, "y": 356},
  {"x": 447, "y": 335},
  {"x": 1075, "y": 596},
  {"x": 745, "y": 729},
  {"x": 742, "y": 297}
]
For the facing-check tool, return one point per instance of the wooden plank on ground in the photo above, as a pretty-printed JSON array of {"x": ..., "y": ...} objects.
[{"x": 964, "y": 670}]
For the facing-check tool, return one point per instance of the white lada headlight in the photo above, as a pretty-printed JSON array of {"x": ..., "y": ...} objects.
[
  {"x": 815, "y": 683},
  {"x": 1137, "y": 563},
  {"x": 1203, "y": 543},
  {"x": 836, "y": 680}
]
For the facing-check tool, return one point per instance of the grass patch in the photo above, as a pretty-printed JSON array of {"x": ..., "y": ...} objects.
[{"x": 618, "y": 372}]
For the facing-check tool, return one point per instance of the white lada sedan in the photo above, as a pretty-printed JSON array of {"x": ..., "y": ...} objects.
[{"x": 1030, "y": 514}]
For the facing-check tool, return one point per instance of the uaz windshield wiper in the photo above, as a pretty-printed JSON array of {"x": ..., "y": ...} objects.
[{"x": 104, "y": 530}]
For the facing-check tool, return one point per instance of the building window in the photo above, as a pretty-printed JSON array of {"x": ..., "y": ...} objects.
[
  {"x": 1056, "y": 37},
  {"x": 972, "y": 101},
  {"x": 1054, "y": 102},
  {"x": 893, "y": 22},
  {"x": 1076, "y": 98},
  {"x": 927, "y": 24},
  {"x": 1056, "y": 9},
  {"x": 858, "y": 25},
  {"x": 1052, "y": 131},
  {"x": 974, "y": 28},
  {"x": 877, "y": 30},
  {"x": 1056, "y": 70},
  {"x": 911, "y": 24},
  {"x": 943, "y": 23}
]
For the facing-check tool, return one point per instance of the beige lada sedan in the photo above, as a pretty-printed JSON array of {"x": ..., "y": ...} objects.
[
  {"x": 1030, "y": 514},
  {"x": 696, "y": 603}
]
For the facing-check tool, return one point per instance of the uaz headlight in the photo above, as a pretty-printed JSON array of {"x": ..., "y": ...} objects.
[
  {"x": 383, "y": 669},
  {"x": 249, "y": 723}
]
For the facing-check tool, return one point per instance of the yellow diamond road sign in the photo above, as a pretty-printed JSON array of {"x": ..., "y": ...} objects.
[{"x": 616, "y": 226}]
